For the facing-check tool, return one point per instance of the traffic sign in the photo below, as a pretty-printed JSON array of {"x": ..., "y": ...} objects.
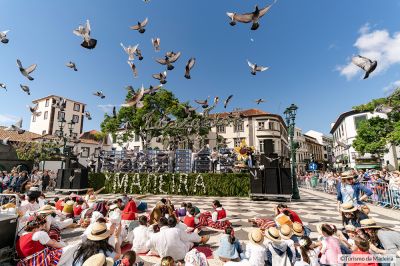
[{"x": 312, "y": 166}]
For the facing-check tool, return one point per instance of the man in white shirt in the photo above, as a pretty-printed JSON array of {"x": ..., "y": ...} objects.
[{"x": 139, "y": 236}]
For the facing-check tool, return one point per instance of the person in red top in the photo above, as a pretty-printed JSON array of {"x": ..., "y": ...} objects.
[
  {"x": 191, "y": 220},
  {"x": 216, "y": 219},
  {"x": 59, "y": 204},
  {"x": 282, "y": 208},
  {"x": 362, "y": 250},
  {"x": 30, "y": 245},
  {"x": 78, "y": 207}
]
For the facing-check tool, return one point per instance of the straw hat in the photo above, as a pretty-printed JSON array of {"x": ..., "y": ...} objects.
[
  {"x": 70, "y": 202},
  {"x": 285, "y": 232},
  {"x": 348, "y": 207},
  {"x": 273, "y": 234},
  {"x": 298, "y": 229},
  {"x": 350, "y": 228},
  {"x": 347, "y": 174},
  {"x": 99, "y": 232},
  {"x": 282, "y": 219},
  {"x": 369, "y": 223},
  {"x": 92, "y": 198},
  {"x": 46, "y": 209},
  {"x": 98, "y": 260},
  {"x": 256, "y": 236}
]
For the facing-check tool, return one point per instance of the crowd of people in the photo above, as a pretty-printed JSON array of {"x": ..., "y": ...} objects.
[
  {"x": 384, "y": 185},
  {"x": 118, "y": 231}
]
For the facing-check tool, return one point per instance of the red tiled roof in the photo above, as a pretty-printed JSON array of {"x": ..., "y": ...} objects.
[{"x": 14, "y": 136}]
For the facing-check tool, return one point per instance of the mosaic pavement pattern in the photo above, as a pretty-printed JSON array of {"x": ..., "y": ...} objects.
[{"x": 312, "y": 210}]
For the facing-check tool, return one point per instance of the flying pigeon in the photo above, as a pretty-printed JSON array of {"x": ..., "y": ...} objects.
[
  {"x": 227, "y": 100},
  {"x": 189, "y": 66},
  {"x": 3, "y": 86},
  {"x": 152, "y": 90},
  {"x": 34, "y": 110},
  {"x": 135, "y": 99},
  {"x": 249, "y": 17},
  {"x": 258, "y": 101},
  {"x": 138, "y": 53},
  {"x": 140, "y": 26},
  {"x": 16, "y": 127},
  {"x": 133, "y": 68},
  {"x": 88, "y": 116},
  {"x": 130, "y": 50},
  {"x": 3, "y": 36},
  {"x": 255, "y": 68},
  {"x": 84, "y": 32},
  {"x": 130, "y": 89},
  {"x": 26, "y": 71},
  {"x": 204, "y": 104},
  {"x": 60, "y": 103},
  {"x": 169, "y": 58},
  {"x": 161, "y": 77},
  {"x": 156, "y": 44},
  {"x": 72, "y": 65},
  {"x": 25, "y": 89},
  {"x": 99, "y": 94},
  {"x": 216, "y": 100},
  {"x": 366, "y": 64},
  {"x": 5, "y": 141}
]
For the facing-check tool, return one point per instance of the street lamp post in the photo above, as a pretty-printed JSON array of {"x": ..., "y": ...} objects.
[
  {"x": 64, "y": 137},
  {"x": 290, "y": 114}
]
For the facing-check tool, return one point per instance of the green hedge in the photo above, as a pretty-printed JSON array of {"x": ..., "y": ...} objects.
[{"x": 207, "y": 184}]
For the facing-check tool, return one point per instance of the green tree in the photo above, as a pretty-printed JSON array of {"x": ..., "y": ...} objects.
[{"x": 36, "y": 151}]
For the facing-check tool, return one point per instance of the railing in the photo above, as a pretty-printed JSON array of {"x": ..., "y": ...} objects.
[{"x": 383, "y": 194}]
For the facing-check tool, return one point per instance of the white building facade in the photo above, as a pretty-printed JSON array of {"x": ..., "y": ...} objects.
[
  {"x": 327, "y": 143},
  {"x": 47, "y": 123},
  {"x": 344, "y": 131}
]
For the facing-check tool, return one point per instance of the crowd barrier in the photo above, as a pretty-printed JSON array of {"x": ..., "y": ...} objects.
[{"x": 383, "y": 194}]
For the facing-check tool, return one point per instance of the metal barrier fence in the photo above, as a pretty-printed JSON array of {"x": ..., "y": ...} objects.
[{"x": 383, "y": 194}]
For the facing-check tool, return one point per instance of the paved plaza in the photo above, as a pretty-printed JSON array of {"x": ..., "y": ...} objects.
[{"x": 313, "y": 208}]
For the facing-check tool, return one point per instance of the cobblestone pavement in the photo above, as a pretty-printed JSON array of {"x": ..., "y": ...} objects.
[{"x": 312, "y": 209}]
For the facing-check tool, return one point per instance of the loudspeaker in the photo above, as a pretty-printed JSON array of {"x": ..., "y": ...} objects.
[
  {"x": 271, "y": 184},
  {"x": 286, "y": 181},
  {"x": 59, "y": 183},
  {"x": 268, "y": 146},
  {"x": 8, "y": 229},
  {"x": 81, "y": 179},
  {"x": 256, "y": 180},
  {"x": 67, "y": 174}
]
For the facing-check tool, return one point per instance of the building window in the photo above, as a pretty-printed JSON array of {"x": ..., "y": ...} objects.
[
  {"x": 237, "y": 141},
  {"x": 261, "y": 125},
  {"x": 61, "y": 116},
  {"x": 271, "y": 126},
  {"x": 261, "y": 146},
  {"x": 33, "y": 118},
  {"x": 44, "y": 132},
  {"x": 47, "y": 103},
  {"x": 75, "y": 119},
  {"x": 97, "y": 152},
  {"x": 46, "y": 115},
  {"x": 220, "y": 129},
  {"x": 77, "y": 107},
  {"x": 85, "y": 151},
  {"x": 136, "y": 137},
  {"x": 359, "y": 119},
  {"x": 136, "y": 148},
  {"x": 238, "y": 127}
]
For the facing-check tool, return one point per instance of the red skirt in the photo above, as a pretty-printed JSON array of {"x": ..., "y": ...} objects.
[
  {"x": 55, "y": 233},
  {"x": 263, "y": 223},
  {"x": 205, "y": 219},
  {"x": 46, "y": 257}
]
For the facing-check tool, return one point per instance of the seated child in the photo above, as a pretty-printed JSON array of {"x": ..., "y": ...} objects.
[{"x": 191, "y": 220}]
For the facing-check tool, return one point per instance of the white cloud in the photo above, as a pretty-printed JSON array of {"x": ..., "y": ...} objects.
[
  {"x": 106, "y": 108},
  {"x": 391, "y": 87},
  {"x": 377, "y": 45},
  {"x": 8, "y": 119}
]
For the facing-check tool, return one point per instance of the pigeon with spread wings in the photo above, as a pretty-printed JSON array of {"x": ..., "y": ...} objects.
[
  {"x": 133, "y": 68},
  {"x": 152, "y": 90},
  {"x": 26, "y": 71},
  {"x": 84, "y": 32},
  {"x": 140, "y": 26},
  {"x": 34, "y": 110},
  {"x": 156, "y": 44},
  {"x": 88, "y": 115},
  {"x": 258, "y": 101},
  {"x": 256, "y": 68},
  {"x": 25, "y": 89},
  {"x": 204, "y": 104},
  {"x": 3, "y": 86},
  {"x": 189, "y": 66},
  {"x": 253, "y": 17},
  {"x": 365, "y": 64},
  {"x": 72, "y": 65},
  {"x": 138, "y": 53},
  {"x": 99, "y": 94},
  {"x": 136, "y": 97},
  {"x": 16, "y": 127},
  {"x": 3, "y": 36},
  {"x": 227, "y": 100},
  {"x": 130, "y": 50},
  {"x": 169, "y": 58},
  {"x": 162, "y": 77}
]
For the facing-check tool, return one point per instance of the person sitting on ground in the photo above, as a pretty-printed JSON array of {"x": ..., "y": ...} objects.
[
  {"x": 309, "y": 253},
  {"x": 283, "y": 208},
  {"x": 97, "y": 242},
  {"x": 216, "y": 219},
  {"x": 362, "y": 250},
  {"x": 90, "y": 192},
  {"x": 191, "y": 220},
  {"x": 229, "y": 247},
  {"x": 181, "y": 212},
  {"x": 128, "y": 259},
  {"x": 31, "y": 244},
  {"x": 99, "y": 260},
  {"x": 278, "y": 252},
  {"x": 68, "y": 209},
  {"x": 163, "y": 208},
  {"x": 197, "y": 210},
  {"x": 330, "y": 245},
  {"x": 286, "y": 232},
  {"x": 79, "y": 206},
  {"x": 256, "y": 252},
  {"x": 298, "y": 232},
  {"x": 351, "y": 215},
  {"x": 139, "y": 236}
]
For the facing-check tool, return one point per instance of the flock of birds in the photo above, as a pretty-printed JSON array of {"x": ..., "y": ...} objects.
[{"x": 168, "y": 60}]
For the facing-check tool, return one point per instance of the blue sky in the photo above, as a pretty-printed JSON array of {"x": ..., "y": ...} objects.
[{"x": 306, "y": 44}]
